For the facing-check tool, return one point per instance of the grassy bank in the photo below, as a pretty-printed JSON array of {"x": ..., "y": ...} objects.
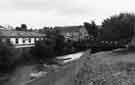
[{"x": 111, "y": 67}]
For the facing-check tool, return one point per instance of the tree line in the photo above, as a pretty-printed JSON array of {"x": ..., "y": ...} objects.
[{"x": 118, "y": 28}]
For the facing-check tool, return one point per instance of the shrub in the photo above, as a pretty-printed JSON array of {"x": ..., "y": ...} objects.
[
  {"x": 7, "y": 57},
  {"x": 118, "y": 27},
  {"x": 46, "y": 50}
]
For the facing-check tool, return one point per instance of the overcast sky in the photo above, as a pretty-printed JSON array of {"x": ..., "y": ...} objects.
[{"x": 38, "y": 13}]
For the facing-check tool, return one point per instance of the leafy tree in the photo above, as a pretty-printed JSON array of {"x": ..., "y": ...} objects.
[
  {"x": 7, "y": 56},
  {"x": 49, "y": 48},
  {"x": 46, "y": 29},
  {"x": 118, "y": 27},
  {"x": 18, "y": 28},
  {"x": 91, "y": 28},
  {"x": 24, "y": 27}
]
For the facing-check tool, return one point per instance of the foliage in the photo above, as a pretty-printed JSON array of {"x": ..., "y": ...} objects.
[
  {"x": 118, "y": 27},
  {"x": 81, "y": 45},
  {"x": 22, "y": 28},
  {"x": 49, "y": 48},
  {"x": 92, "y": 28},
  {"x": 7, "y": 56},
  {"x": 46, "y": 29}
]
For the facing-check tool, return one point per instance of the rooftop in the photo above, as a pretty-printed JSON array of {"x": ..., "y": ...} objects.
[
  {"x": 13, "y": 33},
  {"x": 68, "y": 28}
]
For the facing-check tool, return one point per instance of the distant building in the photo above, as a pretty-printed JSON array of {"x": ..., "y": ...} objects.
[
  {"x": 74, "y": 33},
  {"x": 20, "y": 38}
]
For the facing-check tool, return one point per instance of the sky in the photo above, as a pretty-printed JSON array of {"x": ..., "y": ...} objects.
[{"x": 39, "y": 13}]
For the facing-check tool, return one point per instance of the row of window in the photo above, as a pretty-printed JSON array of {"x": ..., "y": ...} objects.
[
  {"x": 16, "y": 41},
  {"x": 28, "y": 39}
]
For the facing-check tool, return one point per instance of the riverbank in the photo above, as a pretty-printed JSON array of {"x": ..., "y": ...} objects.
[
  {"x": 110, "y": 67},
  {"x": 21, "y": 76}
]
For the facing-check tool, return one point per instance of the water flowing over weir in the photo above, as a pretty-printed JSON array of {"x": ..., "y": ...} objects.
[{"x": 70, "y": 57}]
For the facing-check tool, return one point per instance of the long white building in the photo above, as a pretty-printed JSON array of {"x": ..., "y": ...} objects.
[{"x": 20, "y": 38}]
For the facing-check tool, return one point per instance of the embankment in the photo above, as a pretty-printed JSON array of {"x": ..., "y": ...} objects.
[{"x": 65, "y": 76}]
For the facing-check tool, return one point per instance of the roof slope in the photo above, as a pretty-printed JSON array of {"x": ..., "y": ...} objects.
[
  {"x": 12, "y": 33},
  {"x": 69, "y": 28}
]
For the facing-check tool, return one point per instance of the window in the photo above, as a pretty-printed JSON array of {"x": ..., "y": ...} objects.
[
  {"x": 41, "y": 38},
  {"x": 8, "y": 40},
  {"x": 37, "y": 39},
  {"x": 23, "y": 40},
  {"x": 16, "y": 41},
  {"x": 29, "y": 40}
]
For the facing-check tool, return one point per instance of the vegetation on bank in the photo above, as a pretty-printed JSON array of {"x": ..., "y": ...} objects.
[
  {"x": 108, "y": 68},
  {"x": 115, "y": 28},
  {"x": 115, "y": 32},
  {"x": 7, "y": 57}
]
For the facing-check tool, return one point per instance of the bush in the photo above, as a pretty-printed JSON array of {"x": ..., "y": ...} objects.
[
  {"x": 42, "y": 50},
  {"x": 46, "y": 50},
  {"x": 7, "y": 57},
  {"x": 118, "y": 27}
]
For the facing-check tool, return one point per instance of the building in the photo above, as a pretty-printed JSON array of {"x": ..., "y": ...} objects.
[
  {"x": 74, "y": 33},
  {"x": 20, "y": 39}
]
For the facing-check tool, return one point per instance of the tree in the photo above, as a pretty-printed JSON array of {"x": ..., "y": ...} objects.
[
  {"x": 18, "y": 28},
  {"x": 49, "y": 48},
  {"x": 7, "y": 56},
  {"x": 46, "y": 29},
  {"x": 91, "y": 28},
  {"x": 23, "y": 27},
  {"x": 118, "y": 27}
]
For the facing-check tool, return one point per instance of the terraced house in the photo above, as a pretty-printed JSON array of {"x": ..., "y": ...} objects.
[{"x": 20, "y": 39}]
